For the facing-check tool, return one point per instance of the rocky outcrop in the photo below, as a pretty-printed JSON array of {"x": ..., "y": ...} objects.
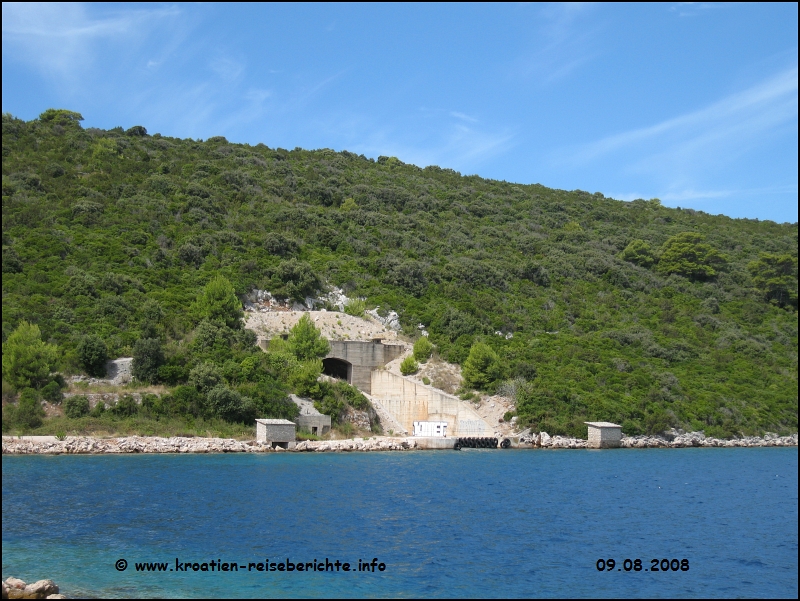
[
  {"x": 14, "y": 588},
  {"x": 118, "y": 372}
]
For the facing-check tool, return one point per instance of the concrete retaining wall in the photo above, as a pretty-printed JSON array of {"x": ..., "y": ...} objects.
[{"x": 409, "y": 401}]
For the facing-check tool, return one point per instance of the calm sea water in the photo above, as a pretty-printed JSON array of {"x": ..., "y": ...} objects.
[{"x": 473, "y": 523}]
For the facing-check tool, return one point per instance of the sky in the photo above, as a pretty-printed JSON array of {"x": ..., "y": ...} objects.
[{"x": 691, "y": 103}]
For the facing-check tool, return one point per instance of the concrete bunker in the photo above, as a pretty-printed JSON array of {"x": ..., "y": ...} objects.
[
  {"x": 604, "y": 435},
  {"x": 338, "y": 368},
  {"x": 276, "y": 432}
]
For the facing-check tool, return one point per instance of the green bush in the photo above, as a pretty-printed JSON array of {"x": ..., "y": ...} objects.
[
  {"x": 218, "y": 304},
  {"x": 76, "y": 406},
  {"x": 52, "y": 393},
  {"x": 205, "y": 376},
  {"x": 776, "y": 277},
  {"x": 28, "y": 412},
  {"x": 93, "y": 354},
  {"x": 482, "y": 368},
  {"x": 409, "y": 366},
  {"x": 229, "y": 405},
  {"x": 27, "y": 361},
  {"x": 148, "y": 357},
  {"x": 306, "y": 341},
  {"x": 303, "y": 379},
  {"x": 638, "y": 252},
  {"x": 356, "y": 307},
  {"x": 423, "y": 349},
  {"x": 688, "y": 255},
  {"x": 351, "y": 396},
  {"x": 124, "y": 407}
]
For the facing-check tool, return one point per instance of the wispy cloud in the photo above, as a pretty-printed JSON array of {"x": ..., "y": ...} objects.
[
  {"x": 463, "y": 117},
  {"x": 564, "y": 44},
  {"x": 692, "y": 9},
  {"x": 455, "y": 146},
  {"x": 228, "y": 69},
  {"x": 721, "y": 130},
  {"x": 58, "y": 38}
]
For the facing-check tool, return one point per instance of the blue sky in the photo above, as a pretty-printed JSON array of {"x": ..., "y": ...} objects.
[{"x": 692, "y": 103}]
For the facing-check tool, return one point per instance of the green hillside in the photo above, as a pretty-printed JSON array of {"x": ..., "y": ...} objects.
[{"x": 596, "y": 309}]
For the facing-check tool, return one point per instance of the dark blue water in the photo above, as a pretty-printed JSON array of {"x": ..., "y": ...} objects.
[{"x": 445, "y": 524}]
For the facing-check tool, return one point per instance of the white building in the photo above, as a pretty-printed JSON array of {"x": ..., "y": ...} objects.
[{"x": 430, "y": 429}]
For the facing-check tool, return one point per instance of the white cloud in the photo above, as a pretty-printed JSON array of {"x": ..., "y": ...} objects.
[
  {"x": 228, "y": 69},
  {"x": 716, "y": 133},
  {"x": 565, "y": 45},
  {"x": 463, "y": 117},
  {"x": 58, "y": 38}
]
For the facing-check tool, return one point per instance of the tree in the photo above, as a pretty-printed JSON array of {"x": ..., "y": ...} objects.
[
  {"x": 76, "y": 406},
  {"x": 688, "y": 255},
  {"x": 204, "y": 377},
  {"x": 295, "y": 279},
  {"x": 93, "y": 354},
  {"x": 230, "y": 405},
  {"x": 61, "y": 117},
  {"x": 776, "y": 276},
  {"x": 638, "y": 252},
  {"x": 423, "y": 349},
  {"x": 305, "y": 340},
  {"x": 27, "y": 360},
  {"x": 28, "y": 413},
  {"x": 218, "y": 303},
  {"x": 409, "y": 366},
  {"x": 482, "y": 367},
  {"x": 147, "y": 358}
]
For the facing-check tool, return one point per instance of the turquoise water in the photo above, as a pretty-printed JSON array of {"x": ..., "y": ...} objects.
[{"x": 474, "y": 523}]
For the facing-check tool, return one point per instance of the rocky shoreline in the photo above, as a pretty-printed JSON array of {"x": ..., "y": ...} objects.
[
  {"x": 671, "y": 441},
  {"x": 86, "y": 445},
  {"x": 14, "y": 588}
]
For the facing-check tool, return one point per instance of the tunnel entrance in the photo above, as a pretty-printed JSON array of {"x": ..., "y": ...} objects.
[{"x": 337, "y": 368}]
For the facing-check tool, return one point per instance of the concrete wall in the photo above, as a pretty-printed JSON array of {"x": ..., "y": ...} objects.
[
  {"x": 363, "y": 357},
  {"x": 409, "y": 401},
  {"x": 308, "y": 422}
]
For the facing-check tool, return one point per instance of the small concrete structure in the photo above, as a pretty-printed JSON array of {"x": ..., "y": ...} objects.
[
  {"x": 276, "y": 432},
  {"x": 318, "y": 424},
  {"x": 430, "y": 443},
  {"x": 438, "y": 429},
  {"x": 310, "y": 419},
  {"x": 604, "y": 435}
]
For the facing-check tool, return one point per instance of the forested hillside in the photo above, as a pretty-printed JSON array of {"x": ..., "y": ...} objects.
[{"x": 594, "y": 309}]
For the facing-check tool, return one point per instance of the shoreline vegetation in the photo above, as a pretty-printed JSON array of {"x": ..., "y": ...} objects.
[
  {"x": 146, "y": 250},
  {"x": 86, "y": 445}
]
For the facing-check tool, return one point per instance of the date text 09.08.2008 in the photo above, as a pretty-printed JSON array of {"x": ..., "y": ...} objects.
[{"x": 656, "y": 565}]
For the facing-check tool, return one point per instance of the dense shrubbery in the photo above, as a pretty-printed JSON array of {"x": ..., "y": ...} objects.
[
  {"x": 409, "y": 366},
  {"x": 423, "y": 349},
  {"x": 626, "y": 311}
]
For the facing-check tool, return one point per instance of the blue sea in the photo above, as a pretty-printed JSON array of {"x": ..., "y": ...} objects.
[{"x": 474, "y": 523}]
